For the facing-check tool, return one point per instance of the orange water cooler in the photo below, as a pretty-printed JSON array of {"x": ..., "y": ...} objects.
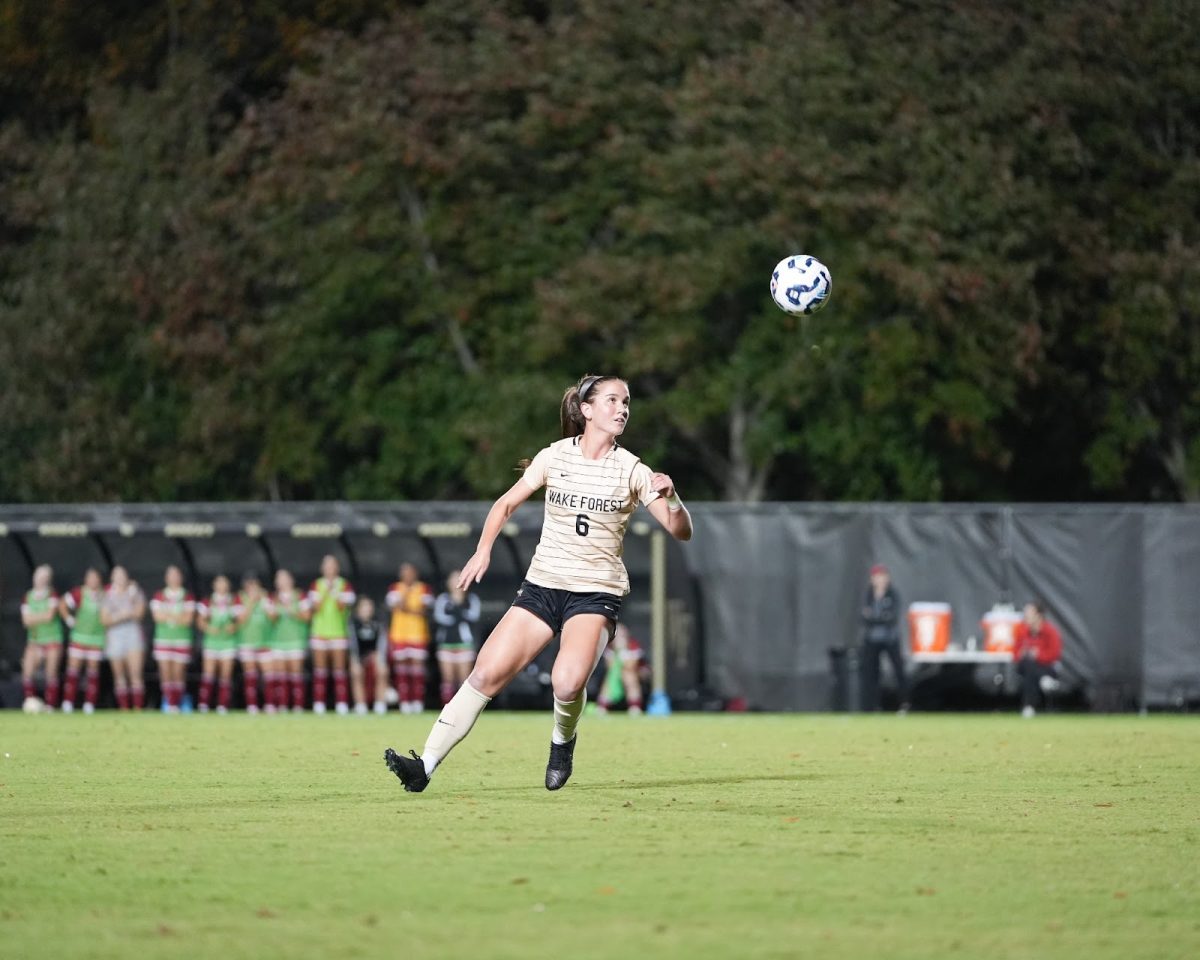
[
  {"x": 999, "y": 628},
  {"x": 929, "y": 627}
]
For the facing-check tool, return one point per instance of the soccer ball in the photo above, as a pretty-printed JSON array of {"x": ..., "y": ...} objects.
[
  {"x": 800, "y": 284},
  {"x": 32, "y": 705}
]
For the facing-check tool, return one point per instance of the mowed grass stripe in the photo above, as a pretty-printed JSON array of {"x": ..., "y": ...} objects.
[{"x": 696, "y": 836}]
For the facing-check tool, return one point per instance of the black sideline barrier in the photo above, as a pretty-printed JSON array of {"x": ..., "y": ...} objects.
[{"x": 756, "y": 603}]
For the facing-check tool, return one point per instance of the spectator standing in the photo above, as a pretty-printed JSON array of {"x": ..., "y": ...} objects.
[
  {"x": 43, "y": 649},
  {"x": 881, "y": 638},
  {"x": 1037, "y": 649},
  {"x": 254, "y": 640},
  {"x": 455, "y": 613},
  {"x": 173, "y": 609},
  {"x": 121, "y": 611},
  {"x": 82, "y": 611},
  {"x": 408, "y": 637},
  {"x": 218, "y": 623},
  {"x": 331, "y": 598},
  {"x": 368, "y": 657}
]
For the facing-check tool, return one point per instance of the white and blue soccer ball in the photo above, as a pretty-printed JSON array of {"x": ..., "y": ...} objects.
[
  {"x": 32, "y": 705},
  {"x": 800, "y": 284}
]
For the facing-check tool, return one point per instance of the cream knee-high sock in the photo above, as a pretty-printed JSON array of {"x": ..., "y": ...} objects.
[
  {"x": 566, "y": 717},
  {"x": 453, "y": 723}
]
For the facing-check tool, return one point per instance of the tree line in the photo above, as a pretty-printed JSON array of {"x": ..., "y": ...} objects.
[{"x": 254, "y": 250}]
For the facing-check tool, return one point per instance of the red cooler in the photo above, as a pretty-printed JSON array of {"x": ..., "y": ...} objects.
[
  {"x": 929, "y": 627},
  {"x": 999, "y": 628}
]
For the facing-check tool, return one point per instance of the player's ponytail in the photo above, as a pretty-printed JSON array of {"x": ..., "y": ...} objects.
[{"x": 569, "y": 414}]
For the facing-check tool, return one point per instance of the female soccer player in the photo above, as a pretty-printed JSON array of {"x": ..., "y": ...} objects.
[
  {"x": 123, "y": 608},
  {"x": 331, "y": 598},
  {"x": 39, "y": 615},
  {"x": 576, "y": 580},
  {"x": 368, "y": 663},
  {"x": 290, "y": 611},
  {"x": 218, "y": 623},
  {"x": 254, "y": 641},
  {"x": 455, "y": 612},
  {"x": 408, "y": 637},
  {"x": 81, "y": 610},
  {"x": 173, "y": 609}
]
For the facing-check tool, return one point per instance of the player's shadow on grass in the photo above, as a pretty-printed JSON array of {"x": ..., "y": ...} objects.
[
  {"x": 700, "y": 781},
  {"x": 732, "y": 780}
]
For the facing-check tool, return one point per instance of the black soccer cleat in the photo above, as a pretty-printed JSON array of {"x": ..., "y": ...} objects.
[
  {"x": 558, "y": 767},
  {"x": 411, "y": 771}
]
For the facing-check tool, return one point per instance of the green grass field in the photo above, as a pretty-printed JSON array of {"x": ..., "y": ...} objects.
[{"x": 695, "y": 836}]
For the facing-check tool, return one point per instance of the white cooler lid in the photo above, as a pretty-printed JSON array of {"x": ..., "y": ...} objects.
[{"x": 927, "y": 606}]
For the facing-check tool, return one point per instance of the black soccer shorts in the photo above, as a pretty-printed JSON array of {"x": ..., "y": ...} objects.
[{"x": 556, "y": 607}]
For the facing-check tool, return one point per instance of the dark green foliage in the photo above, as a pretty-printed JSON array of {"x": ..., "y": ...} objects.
[{"x": 366, "y": 262}]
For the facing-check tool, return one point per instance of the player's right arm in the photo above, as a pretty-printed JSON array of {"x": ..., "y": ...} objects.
[
  {"x": 1020, "y": 641},
  {"x": 157, "y": 613},
  {"x": 474, "y": 569}
]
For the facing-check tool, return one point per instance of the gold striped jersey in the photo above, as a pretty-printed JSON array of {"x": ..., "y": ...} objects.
[{"x": 588, "y": 506}]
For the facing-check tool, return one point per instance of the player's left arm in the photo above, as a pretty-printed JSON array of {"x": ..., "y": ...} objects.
[
  {"x": 668, "y": 509},
  {"x": 139, "y": 604},
  {"x": 1054, "y": 644}
]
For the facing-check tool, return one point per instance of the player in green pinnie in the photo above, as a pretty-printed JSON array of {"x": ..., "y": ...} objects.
[
  {"x": 254, "y": 636},
  {"x": 331, "y": 599},
  {"x": 219, "y": 624},
  {"x": 290, "y": 612},
  {"x": 173, "y": 609},
  {"x": 39, "y": 614},
  {"x": 80, "y": 610}
]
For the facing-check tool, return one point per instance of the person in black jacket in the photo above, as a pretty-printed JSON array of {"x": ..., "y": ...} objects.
[{"x": 881, "y": 637}]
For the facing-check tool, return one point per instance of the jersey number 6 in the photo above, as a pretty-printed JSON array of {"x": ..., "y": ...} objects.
[{"x": 581, "y": 524}]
